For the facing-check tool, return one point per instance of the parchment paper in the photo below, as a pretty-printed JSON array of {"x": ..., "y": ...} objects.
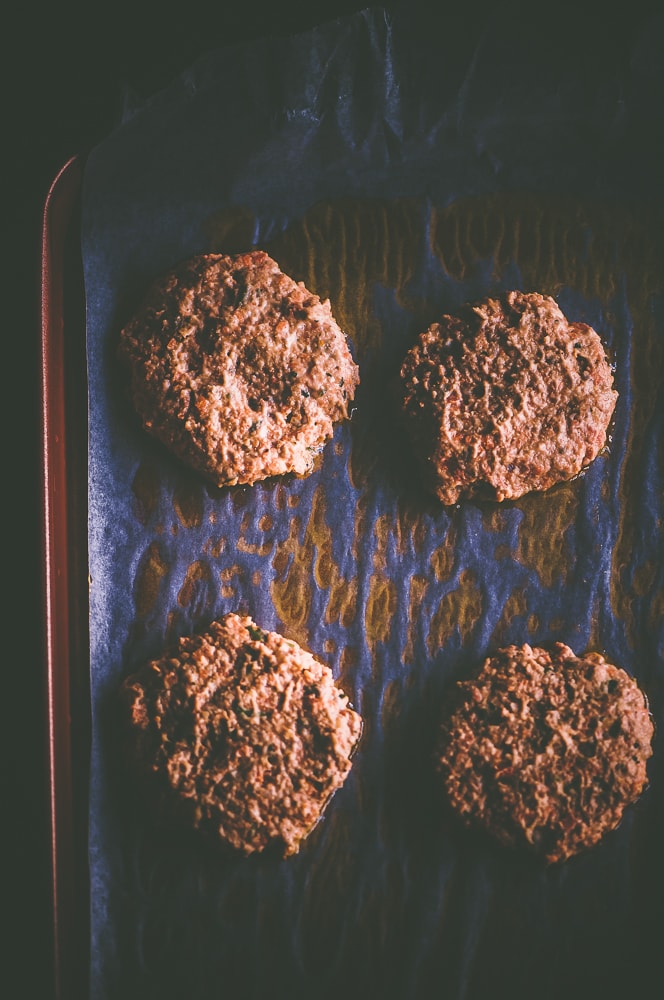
[{"x": 399, "y": 190}]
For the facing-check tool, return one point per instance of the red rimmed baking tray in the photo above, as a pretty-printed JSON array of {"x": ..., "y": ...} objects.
[
  {"x": 64, "y": 548},
  {"x": 409, "y": 904}
]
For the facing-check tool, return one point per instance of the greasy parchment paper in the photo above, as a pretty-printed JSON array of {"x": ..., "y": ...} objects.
[{"x": 399, "y": 192}]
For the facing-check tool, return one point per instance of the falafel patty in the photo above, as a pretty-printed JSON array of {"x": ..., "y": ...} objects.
[
  {"x": 545, "y": 750},
  {"x": 245, "y": 733},
  {"x": 505, "y": 398},
  {"x": 238, "y": 369}
]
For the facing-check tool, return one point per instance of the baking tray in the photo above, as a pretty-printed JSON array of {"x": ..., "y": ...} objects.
[
  {"x": 66, "y": 590},
  {"x": 590, "y": 925},
  {"x": 64, "y": 546}
]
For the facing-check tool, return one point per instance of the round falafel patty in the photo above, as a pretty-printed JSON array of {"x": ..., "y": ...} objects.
[
  {"x": 545, "y": 750},
  {"x": 245, "y": 732},
  {"x": 238, "y": 369},
  {"x": 505, "y": 398}
]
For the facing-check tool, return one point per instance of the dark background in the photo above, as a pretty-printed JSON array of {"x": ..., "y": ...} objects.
[{"x": 66, "y": 75}]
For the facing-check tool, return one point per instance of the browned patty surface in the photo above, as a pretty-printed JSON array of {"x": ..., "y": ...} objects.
[
  {"x": 246, "y": 734},
  {"x": 506, "y": 397},
  {"x": 237, "y": 368},
  {"x": 546, "y": 749}
]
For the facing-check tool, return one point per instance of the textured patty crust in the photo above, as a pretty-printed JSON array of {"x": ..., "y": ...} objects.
[
  {"x": 245, "y": 734},
  {"x": 544, "y": 750},
  {"x": 238, "y": 369},
  {"x": 505, "y": 398}
]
